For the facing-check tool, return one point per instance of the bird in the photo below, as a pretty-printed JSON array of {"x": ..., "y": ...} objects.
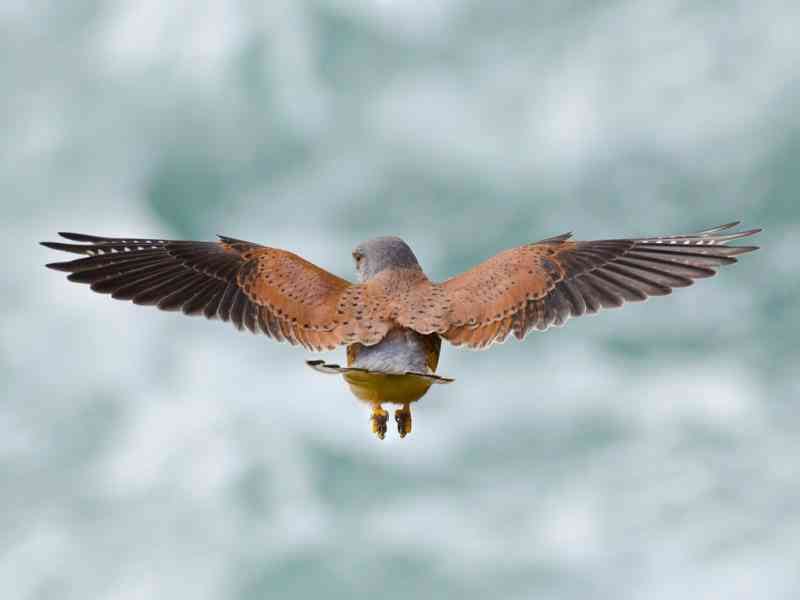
[{"x": 393, "y": 319}]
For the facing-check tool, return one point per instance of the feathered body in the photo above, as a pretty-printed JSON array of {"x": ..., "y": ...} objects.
[
  {"x": 393, "y": 320},
  {"x": 391, "y": 370}
]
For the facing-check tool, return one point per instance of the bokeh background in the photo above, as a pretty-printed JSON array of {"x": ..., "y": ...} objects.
[{"x": 650, "y": 452}]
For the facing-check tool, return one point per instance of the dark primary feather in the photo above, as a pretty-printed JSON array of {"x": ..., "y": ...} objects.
[
  {"x": 607, "y": 273},
  {"x": 542, "y": 285},
  {"x": 197, "y": 278}
]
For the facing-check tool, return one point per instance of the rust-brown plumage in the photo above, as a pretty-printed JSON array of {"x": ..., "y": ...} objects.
[{"x": 279, "y": 294}]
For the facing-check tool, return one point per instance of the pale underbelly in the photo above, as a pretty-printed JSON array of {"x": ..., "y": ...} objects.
[
  {"x": 401, "y": 351},
  {"x": 377, "y": 388},
  {"x": 391, "y": 365}
]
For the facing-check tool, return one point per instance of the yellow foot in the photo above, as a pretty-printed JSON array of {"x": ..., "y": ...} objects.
[
  {"x": 379, "y": 419},
  {"x": 403, "y": 418}
]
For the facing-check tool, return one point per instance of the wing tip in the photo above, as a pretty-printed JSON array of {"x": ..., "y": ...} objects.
[
  {"x": 726, "y": 227},
  {"x": 231, "y": 240},
  {"x": 557, "y": 238},
  {"x": 723, "y": 227},
  {"x": 744, "y": 249},
  {"x": 80, "y": 237},
  {"x": 62, "y": 247},
  {"x": 74, "y": 237},
  {"x": 737, "y": 235},
  {"x": 59, "y": 266}
]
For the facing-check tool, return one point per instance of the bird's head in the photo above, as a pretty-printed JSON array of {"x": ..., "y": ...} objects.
[{"x": 378, "y": 254}]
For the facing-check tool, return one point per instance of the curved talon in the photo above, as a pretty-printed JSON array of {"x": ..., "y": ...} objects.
[
  {"x": 403, "y": 418},
  {"x": 379, "y": 419}
]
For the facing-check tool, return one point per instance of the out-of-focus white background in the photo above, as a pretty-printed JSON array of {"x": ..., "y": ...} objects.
[{"x": 650, "y": 452}]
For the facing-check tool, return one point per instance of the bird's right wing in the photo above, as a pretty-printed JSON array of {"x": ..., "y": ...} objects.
[
  {"x": 544, "y": 284},
  {"x": 264, "y": 289}
]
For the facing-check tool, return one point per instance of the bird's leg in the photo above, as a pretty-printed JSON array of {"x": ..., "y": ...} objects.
[
  {"x": 403, "y": 418},
  {"x": 379, "y": 419}
]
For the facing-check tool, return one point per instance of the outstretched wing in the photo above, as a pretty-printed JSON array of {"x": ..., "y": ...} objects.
[
  {"x": 263, "y": 289},
  {"x": 540, "y": 285}
]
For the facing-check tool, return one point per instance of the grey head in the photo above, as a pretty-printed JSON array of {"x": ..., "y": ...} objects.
[{"x": 379, "y": 254}]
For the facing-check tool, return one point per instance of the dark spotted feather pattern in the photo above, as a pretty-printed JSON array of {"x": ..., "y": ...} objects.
[
  {"x": 275, "y": 292},
  {"x": 544, "y": 284},
  {"x": 262, "y": 289}
]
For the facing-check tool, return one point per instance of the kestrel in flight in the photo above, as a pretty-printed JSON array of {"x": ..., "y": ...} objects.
[{"x": 394, "y": 319}]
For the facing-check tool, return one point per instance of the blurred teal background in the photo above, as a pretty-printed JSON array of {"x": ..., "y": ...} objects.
[{"x": 650, "y": 452}]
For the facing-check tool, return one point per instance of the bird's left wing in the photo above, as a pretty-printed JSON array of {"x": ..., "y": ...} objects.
[
  {"x": 540, "y": 285},
  {"x": 264, "y": 289}
]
